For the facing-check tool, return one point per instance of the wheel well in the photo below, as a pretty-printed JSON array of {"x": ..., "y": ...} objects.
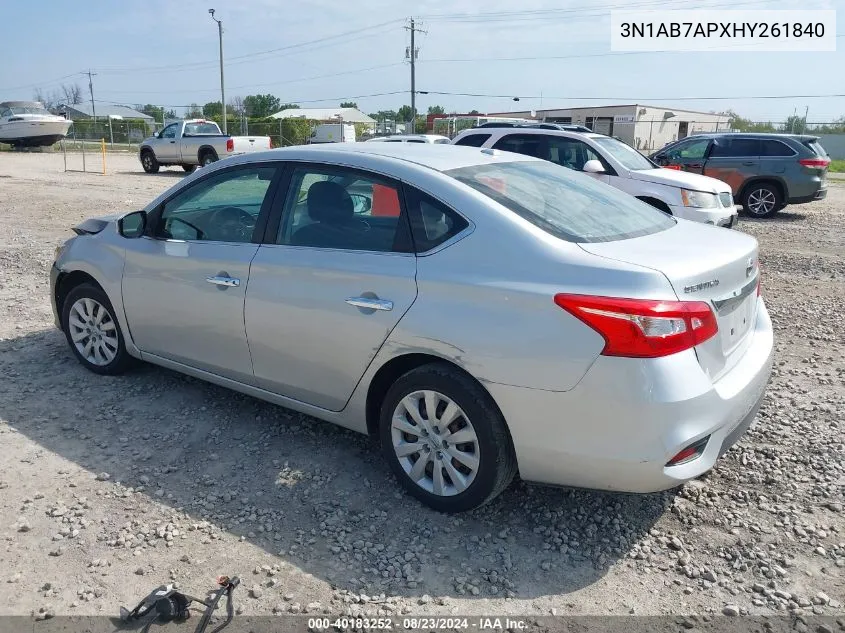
[
  {"x": 147, "y": 150},
  {"x": 67, "y": 282},
  {"x": 390, "y": 373},
  {"x": 659, "y": 204},
  {"x": 765, "y": 181},
  {"x": 205, "y": 149}
]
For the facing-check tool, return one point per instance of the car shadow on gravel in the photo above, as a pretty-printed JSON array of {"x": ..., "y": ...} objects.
[
  {"x": 317, "y": 496},
  {"x": 779, "y": 217},
  {"x": 164, "y": 173}
]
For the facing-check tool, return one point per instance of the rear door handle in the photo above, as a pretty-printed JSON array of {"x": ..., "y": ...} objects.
[
  {"x": 748, "y": 162},
  {"x": 369, "y": 303},
  {"x": 695, "y": 165},
  {"x": 229, "y": 282}
]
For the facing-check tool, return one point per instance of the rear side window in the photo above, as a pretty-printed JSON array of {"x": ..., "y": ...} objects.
[
  {"x": 432, "y": 222},
  {"x": 735, "y": 147},
  {"x": 564, "y": 203},
  {"x": 528, "y": 144},
  {"x": 816, "y": 147},
  {"x": 473, "y": 140},
  {"x": 770, "y": 147}
]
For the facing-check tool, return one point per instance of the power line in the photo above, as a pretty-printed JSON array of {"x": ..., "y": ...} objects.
[
  {"x": 42, "y": 83},
  {"x": 298, "y": 101}
]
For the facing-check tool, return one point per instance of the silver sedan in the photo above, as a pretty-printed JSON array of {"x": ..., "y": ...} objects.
[{"x": 483, "y": 313}]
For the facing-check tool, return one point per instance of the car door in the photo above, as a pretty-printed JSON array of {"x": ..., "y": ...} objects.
[
  {"x": 733, "y": 160},
  {"x": 574, "y": 154},
  {"x": 332, "y": 280},
  {"x": 167, "y": 148},
  {"x": 687, "y": 156},
  {"x": 528, "y": 144},
  {"x": 184, "y": 282}
]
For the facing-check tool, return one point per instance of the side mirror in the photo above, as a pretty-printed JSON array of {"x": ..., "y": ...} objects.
[
  {"x": 133, "y": 225},
  {"x": 593, "y": 167}
]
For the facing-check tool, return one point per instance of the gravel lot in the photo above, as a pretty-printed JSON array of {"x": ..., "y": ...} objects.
[{"x": 111, "y": 486}]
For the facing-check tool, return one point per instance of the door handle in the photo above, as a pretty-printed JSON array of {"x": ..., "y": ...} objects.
[
  {"x": 696, "y": 165},
  {"x": 748, "y": 162},
  {"x": 229, "y": 282},
  {"x": 369, "y": 303},
  {"x": 172, "y": 142}
]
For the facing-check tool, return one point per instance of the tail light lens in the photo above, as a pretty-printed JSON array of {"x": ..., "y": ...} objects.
[
  {"x": 818, "y": 163},
  {"x": 691, "y": 452},
  {"x": 230, "y": 145},
  {"x": 639, "y": 328}
]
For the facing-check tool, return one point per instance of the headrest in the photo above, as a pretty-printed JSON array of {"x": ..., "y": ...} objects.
[{"x": 329, "y": 202}]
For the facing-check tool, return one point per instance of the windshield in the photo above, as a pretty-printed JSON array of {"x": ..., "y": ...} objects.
[
  {"x": 28, "y": 110},
  {"x": 625, "y": 154},
  {"x": 201, "y": 128},
  {"x": 564, "y": 203}
]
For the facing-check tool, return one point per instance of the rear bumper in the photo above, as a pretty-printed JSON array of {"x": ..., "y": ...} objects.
[
  {"x": 821, "y": 194},
  {"x": 722, "y": 216},
  {"x": 618, "y": 428}
]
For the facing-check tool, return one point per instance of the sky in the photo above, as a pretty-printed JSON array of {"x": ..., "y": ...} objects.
[{"x": 320, "y": 52}]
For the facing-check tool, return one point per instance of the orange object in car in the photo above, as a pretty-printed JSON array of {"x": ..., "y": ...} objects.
[
  {"x": 385, "y": 201},
  {"x": 676, "y": 167}
]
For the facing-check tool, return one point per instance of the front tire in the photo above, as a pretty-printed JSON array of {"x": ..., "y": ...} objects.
[
  {"x": 92, "y": 331},
  {"x": 149, "y": 162},
  {"x": 445, "y": 439},
  {"x": 761, "y": 200}
]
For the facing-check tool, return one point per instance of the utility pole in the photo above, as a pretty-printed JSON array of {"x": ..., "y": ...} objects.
[
  {"x": 222, "y": 85},
  {"x": 412, "y": 53},
  {"x": 806, "y": 113},
  {"x": 91, "y": 90}
]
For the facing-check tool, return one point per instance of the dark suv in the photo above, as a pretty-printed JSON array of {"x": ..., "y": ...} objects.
[{"x": 765, "y": 171}]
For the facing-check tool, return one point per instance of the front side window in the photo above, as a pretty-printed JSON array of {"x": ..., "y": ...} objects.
[
  {"x": 625, "y": 154},
  {"x": 473, "y": 140},
  {"x": 693, "y": 150},
  {"x": 329, "y": 207},
  {"x": 169, "y": 131},
  {"x": 222, "y": 208},
  {"x": 569, "y": 206},
  {"x": 570, "y": 153}
]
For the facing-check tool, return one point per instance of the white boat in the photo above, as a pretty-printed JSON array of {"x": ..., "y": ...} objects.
[{"x": 30, "y": 124}]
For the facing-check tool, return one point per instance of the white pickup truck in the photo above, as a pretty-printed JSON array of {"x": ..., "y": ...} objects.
[{"x": 194, "y": 142}]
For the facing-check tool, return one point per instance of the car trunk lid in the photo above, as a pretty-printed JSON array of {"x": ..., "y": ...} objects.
[{"x": 702, "y": 263}]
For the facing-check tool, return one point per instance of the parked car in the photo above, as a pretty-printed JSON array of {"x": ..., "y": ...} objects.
[
  {"x": 566, "y": 127},
  {"x": 481, "y": 313},
  {"x": 194, "y": 142},
  {"x": 688, "y": 196},
  {"x": 411, "y": 138},
  {"x": 333, "y": 133},
  {"x": 765, "y": 171}
]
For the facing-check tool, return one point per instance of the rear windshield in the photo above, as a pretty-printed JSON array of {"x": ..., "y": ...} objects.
[
  {"x": 564, "y": 203},
  {"x": 816, "y": 147},
  {"x": 201, "y": 128}
]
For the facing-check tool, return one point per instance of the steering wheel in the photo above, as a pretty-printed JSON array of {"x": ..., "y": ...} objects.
[{"x": 233, "y": 222}]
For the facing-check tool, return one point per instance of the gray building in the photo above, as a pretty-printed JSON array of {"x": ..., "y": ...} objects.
[{"x": 644, "y": 127}]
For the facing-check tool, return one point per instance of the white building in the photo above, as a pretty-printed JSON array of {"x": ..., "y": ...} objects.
[
  {"x": 644, "y": 127},
  {"x": 327, "y": 115}
]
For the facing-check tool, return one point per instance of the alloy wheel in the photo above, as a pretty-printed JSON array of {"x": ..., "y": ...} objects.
[
  {"x": 93, "y": 331},
  {"x": 435, "y": 443},
  {"x": 761, "y": 201}
]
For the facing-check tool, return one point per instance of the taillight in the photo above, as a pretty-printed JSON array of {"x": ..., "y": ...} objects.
[
  {"x": 230, "y": 145},
  {"x": 691, "y": 452},
  {"x": 269, "y": 143},
  {"x": 819, "y": 163},
  {"x": 641, "y": 328}
]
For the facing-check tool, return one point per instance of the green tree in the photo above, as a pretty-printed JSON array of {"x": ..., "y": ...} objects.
[
  {"x": 794, "y": 124},
  {"x": 736, "y": 122},
  {"x": 261, "y": 106},
  {"x": 156, "y": 112},
  {"x": 288, "y": 106},
  {"x": 404, "y": 113},
  {"x": 296, "y": 131},
  {"x": 349, "y": 104},
  {"x": 384, "y": 115},
  {"x": 436, "y": 109},
  {"x": 474, "y": 112},
  {"x": 212, "y": 109},
  {"x": 193, "y": 111}
]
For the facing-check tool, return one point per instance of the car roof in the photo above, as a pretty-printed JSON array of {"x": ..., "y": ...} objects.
[
  {"x": 533, "y": 130},
  {"x": 770, "y": 135},
  {"x": 440, "y": 157}
]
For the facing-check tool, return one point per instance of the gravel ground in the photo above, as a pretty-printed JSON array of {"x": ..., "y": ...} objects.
[{"x": 111, "y": 486}]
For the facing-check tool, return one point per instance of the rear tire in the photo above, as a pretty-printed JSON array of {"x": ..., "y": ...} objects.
[
  {"x": 207, "y": 158},
  {"x": 446, "y": 475},
  {"x": 149, "y": 162},
  {"x": 92, "y": 331},
  {"x": 761, "y": 200}
]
